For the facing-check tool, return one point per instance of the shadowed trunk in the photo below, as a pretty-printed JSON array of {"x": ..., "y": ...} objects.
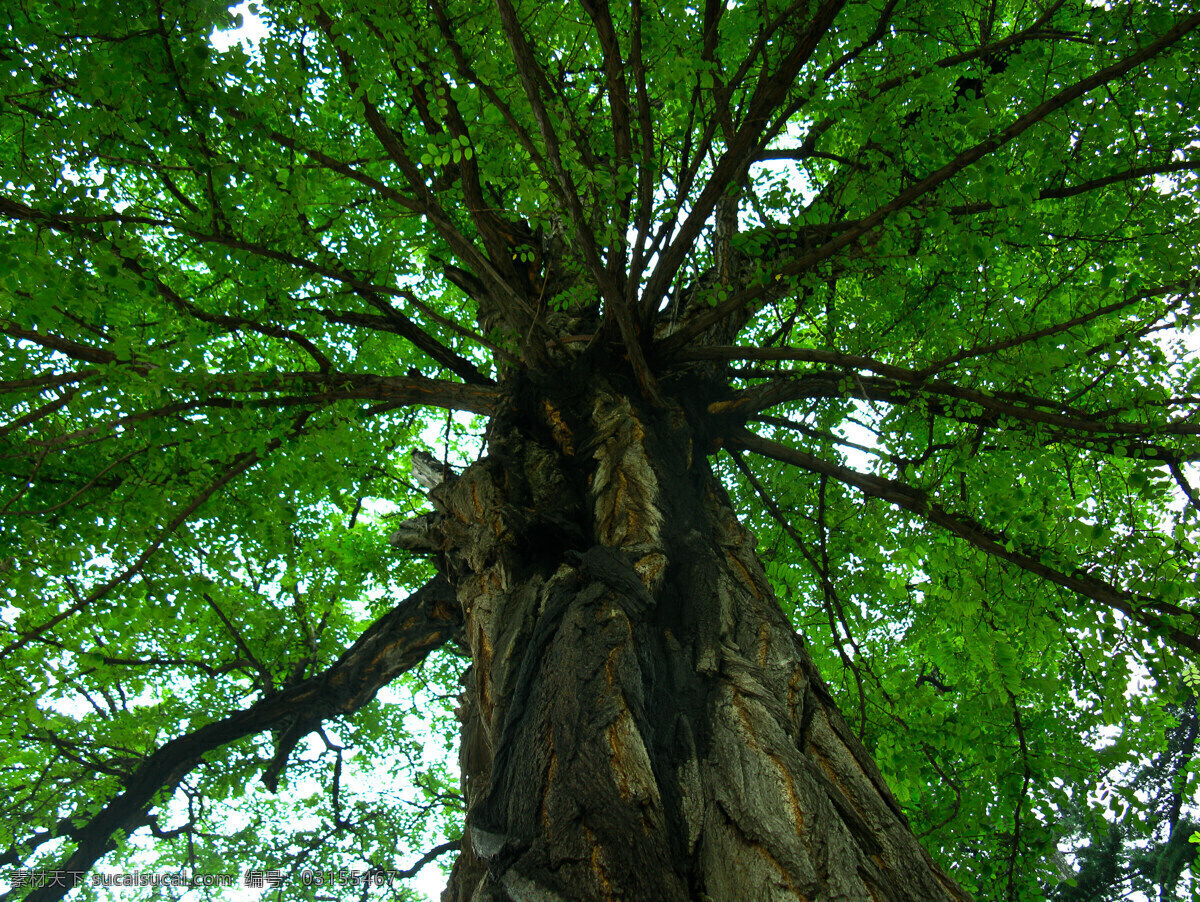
[{"x": 639, "y": 720}]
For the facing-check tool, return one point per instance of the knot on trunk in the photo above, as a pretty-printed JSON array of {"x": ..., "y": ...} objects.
[{"x": 416, "y": 534}]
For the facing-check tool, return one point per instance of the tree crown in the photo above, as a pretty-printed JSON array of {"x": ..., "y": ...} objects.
[{"x": 923, "y": 280}]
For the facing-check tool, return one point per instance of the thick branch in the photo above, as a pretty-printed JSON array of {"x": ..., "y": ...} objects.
[
  {"x": 619, "y": 108},
  {"x": 993, "y": 543},
  {"x": 391, "y": 645},
  {"x": 307, "y": 388},
  {"x": 409, "y": 390},
  {"x": 239, "y": 464},
  {"x": 383, "y": 323},
  {"x": 1094, "y": 184},
  {"x": 373, "y": 294},
  {"x": 752, "y": 136},
  {"x": 922, "y": 187},
  {"x": 1069, "y": 424},
  {"x": 616, "y": 304}
]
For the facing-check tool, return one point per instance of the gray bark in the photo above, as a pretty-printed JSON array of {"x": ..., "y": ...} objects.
[{"x": 640, "y": 721}]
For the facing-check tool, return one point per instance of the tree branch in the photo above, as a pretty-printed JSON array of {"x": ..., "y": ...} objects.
[
  {"x": 1070, "y": 425},
  {"x": 677, "y": 340},
  {"x": 237, "y": 466},
  {"x": 993, "y": 543},
  {"x": 752, "y": 135},
  {"x": 373, "y": 294},
  {"x": 394, "y": 643}
]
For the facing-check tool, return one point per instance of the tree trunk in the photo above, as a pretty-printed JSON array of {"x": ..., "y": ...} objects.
[{"x": 640, "y": 721}]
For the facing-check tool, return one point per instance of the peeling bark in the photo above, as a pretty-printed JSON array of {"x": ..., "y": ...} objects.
[{"x": 639, "y": 720}]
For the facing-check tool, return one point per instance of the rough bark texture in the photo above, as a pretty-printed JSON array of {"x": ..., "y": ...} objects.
[{"x": 639, "y": 720}]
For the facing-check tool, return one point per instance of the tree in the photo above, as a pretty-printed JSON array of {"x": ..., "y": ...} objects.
[
  {"x": 787, "y": 339},
  {"x": 1149, "y": 852}
]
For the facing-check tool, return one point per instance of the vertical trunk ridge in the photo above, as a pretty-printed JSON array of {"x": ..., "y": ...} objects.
[{"x": 639, "y": 720}]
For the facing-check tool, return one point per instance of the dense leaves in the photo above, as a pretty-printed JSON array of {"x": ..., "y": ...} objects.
[{"x": 938, "y": 260}]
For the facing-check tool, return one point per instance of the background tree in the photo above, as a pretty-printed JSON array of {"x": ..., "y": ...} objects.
[
  {"x": 908, "y": 287},
  {"x": 1149, "y": 850}
]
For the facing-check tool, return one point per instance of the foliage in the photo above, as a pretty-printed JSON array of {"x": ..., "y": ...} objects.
[
  {"x": 1149, "y": 850},
  {"x": 242, "y": 277}
]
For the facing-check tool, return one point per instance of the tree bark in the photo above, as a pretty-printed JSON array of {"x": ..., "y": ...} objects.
[{"x": 640, "y": 721}]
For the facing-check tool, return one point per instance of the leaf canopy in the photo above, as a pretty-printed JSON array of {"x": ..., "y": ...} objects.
[{"x": 941, "y": 257}]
